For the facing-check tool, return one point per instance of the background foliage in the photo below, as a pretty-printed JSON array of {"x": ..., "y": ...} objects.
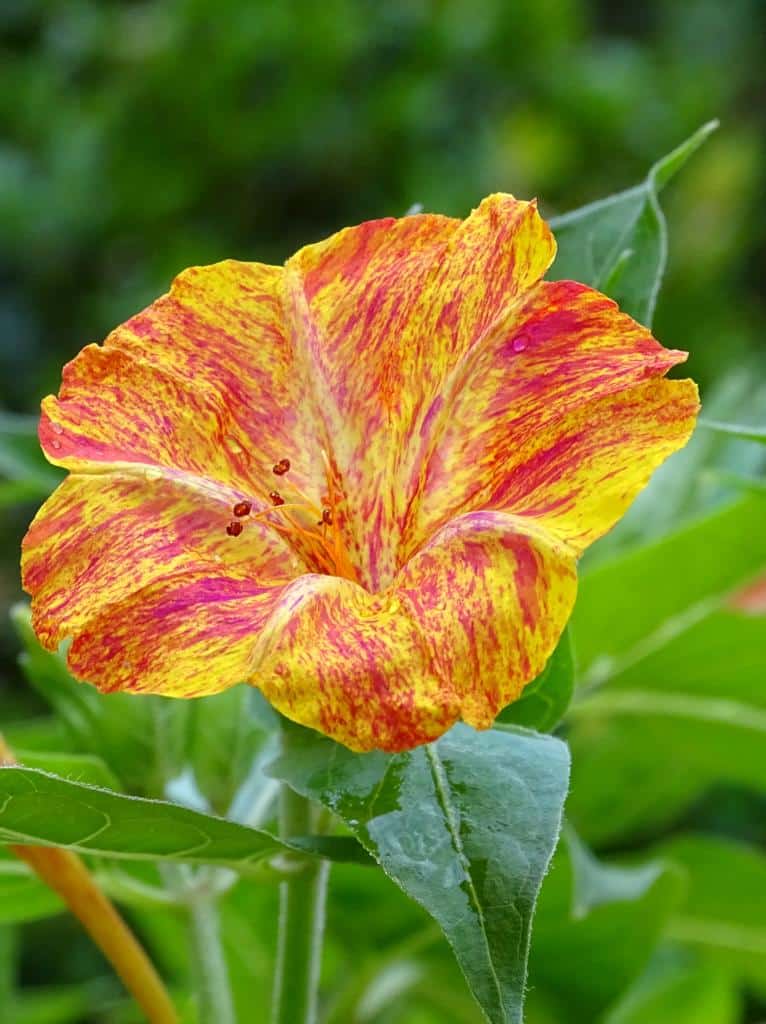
[{"x": 139, "y": 138}]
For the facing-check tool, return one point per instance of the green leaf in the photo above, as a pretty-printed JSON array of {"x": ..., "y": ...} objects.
[
  {"x": 641, "y": 599},
  {"x": 741, "y": 431},
  {"x": 695, "y": 479},
  {"x": 23, "y": 897},
  {"x": 21, "y": 460},
  {"x": 42, "y": 809},
  {"x": 60, "y": 1004},
  {"x": 141, "y": 738},
  {"x": 465, "y": 826},
  {"x": 225, "y": 737},
  {"x": 38, "y": 734},
  {"x": 545, "y": 699},
  {"x": 619, "y": 244},
  {"x": 679, "y": 994},
  {"x": 723, "y": 917},
  {"x": 595, "y": 883},
  {"x": 667, "y": 669},
  {"x": 594, "y": 935},
  {"x": 8, "y": 965},
  {"x": 699, "y": 695}
]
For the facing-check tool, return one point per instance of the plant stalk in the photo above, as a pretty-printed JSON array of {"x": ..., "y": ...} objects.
[
  {"x": 210, "y": 970},
  {"x": 301, "y": 922}
]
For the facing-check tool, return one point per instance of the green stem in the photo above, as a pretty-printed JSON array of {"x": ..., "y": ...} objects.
[
  {"x": 211, "y": 974},
  {"x": 301, "y": 923}
]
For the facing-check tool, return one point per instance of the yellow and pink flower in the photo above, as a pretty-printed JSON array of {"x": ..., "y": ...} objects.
[{"x": 360, "y": 481}]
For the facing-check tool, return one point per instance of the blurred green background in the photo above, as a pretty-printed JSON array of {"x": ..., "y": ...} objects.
[{"x": 140, "y": 138}]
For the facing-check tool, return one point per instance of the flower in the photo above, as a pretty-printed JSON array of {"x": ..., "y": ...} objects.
[{"x": 360, "y": 481}]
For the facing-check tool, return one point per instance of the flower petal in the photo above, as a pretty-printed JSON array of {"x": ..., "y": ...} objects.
[
  {"x": 465, "y": 625},
  {"x": 204, "y": 379},
  {"x": 561, "y": 415},
  {"x": 382, "y": 313},
  {"x": 186, "y": 635},
  {"x": 101, "y": 537},
  {"x": 114, "y": 409}
]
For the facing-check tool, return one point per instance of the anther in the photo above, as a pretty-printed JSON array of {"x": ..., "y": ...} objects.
[
  {"x": 327, "y": 516},
  {"x": 276, "y": 498},
  {"x": 281, "y": 467},
  {"x": 242, "y": 508},
  {"x": 234, "y": 528}
]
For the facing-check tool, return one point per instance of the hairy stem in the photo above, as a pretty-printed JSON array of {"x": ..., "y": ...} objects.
[
  {"x": 210, "y": 972},
  {"x": 301, "y": 923}
]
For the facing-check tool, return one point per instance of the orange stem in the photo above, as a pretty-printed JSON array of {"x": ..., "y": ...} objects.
[{"x": 67, "y": 875}]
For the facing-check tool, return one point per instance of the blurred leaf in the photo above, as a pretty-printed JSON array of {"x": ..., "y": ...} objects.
[
  {"x": 22, "y": 461},
  {"x": 723, "y": 916},
  {"x": 595, "y": 883},
  {"x": 741, "y": 431},
  {"x": 544, "y": 701},
  {"x": 465, "y": 826},
  {"x": 38, "y": 734},
  {"x": 641, "y": 599},
  {"x": 64, "y": 1004},
  {"x": 39, "y": 808},
  {"x": 225, "y": 736},
  {"x": 141, "y": 738},
  {"x": 585, "y": 960},
  {"x": 679, "y": 994},
  {"x": 619, "y": 244},
  {"x": 693, "y": 481},
  {"x": 8, "y": 952},
  {"x": 13, "y": 492},
  {"x": 700, "y": 695},
  {"x": 23, "y": 897},
  {"x": 744, "y": 484}
]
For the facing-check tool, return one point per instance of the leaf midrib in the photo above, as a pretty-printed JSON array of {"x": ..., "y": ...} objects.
[{"x": 442, "y": 789}]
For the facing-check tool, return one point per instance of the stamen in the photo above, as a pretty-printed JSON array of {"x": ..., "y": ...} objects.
[{"x": 327, "y": 550}]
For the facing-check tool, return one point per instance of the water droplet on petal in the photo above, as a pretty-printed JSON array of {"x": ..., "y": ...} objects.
[
  {"x": 56, "y": 445},
  {"x": 519, "y": 343},
  {"x": 57, "y": 428}
]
